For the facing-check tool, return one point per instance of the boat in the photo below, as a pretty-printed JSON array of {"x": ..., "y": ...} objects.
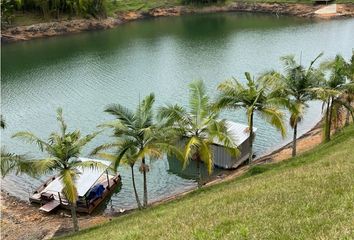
[{"x": 93, "y": 187}]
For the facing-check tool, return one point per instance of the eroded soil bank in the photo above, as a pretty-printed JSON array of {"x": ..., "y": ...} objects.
[{"x": 55, "y": 28}]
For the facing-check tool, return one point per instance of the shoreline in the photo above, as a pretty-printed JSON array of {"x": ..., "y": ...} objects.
[
  {"x": 66, "y": 27},
  {"x": 20, "y": 219}
]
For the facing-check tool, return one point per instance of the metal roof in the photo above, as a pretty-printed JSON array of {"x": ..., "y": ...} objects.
[
  {"x": 83, "y": 183},
  {"x": 239, "y": 132}
]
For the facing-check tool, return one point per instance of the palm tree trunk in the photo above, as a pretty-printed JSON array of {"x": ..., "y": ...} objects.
[
  {"x": 251, "y": 140},
  {"x": 294, "y": 139},
  {"x": 74, "y": 217},
  {"x": 347, "y": 118},
  {"x": 199, "y": 173},
  {"x": 327, "y": 120},
  {"x": 145, "y": 200},
  {"x": 329, "y": 126},
  {"x": 134, "y": 187}
]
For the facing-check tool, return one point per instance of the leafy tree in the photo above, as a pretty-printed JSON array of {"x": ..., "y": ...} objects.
[
  {"x": 63, "y": 149},
  {"x": 256, "y": 96},
  {"x": 199, "y": 126},
  {"x": 7, "y": 10},
  {"x": 297, "y": 84},
  {"x": 137, "y": 137}
]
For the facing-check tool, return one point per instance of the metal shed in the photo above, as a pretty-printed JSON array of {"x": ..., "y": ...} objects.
[{"x": 240, "y": 135}]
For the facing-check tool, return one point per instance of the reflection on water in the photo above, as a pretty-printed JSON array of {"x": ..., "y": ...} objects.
[{"x": 83, "y": 73}]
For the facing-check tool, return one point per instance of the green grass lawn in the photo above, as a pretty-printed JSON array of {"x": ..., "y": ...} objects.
[{"x": 308, "y": 197}]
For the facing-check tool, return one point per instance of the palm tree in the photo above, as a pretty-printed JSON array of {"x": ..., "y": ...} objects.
[
  {"x": 259, "y": 96},
  {"x": 297, "y": 84},
  {"x": 349, "y": 92},
  {"x": 8, "y": 160},
  {"x": 199, "y": 125},
  {"x": 130, "y": 158},
  {"x": 137, "y": 137},
  {"x": 331, "y": 91},
  {"x": 63, "y": 150}
]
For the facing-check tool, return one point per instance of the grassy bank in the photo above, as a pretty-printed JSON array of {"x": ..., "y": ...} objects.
[
  {"x": 308, "y": 197},
  {"x": 143, "y": 5}
]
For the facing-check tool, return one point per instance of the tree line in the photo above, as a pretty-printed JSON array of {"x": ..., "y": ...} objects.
[
  {"x": 145, "y": 133},
  {"x": 54, "y": 8}
]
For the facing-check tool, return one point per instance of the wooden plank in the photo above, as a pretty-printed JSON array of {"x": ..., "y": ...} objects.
[{"x": 50, "y": 206}]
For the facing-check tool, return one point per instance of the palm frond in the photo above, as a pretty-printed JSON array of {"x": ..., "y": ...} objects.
[
  {"x": 9, "y": 162},
  {"x": 68, "y": 178},
  {"x": 31, "y": 138},
  {"x": 105, "y": 146},
  {"x": 62, "y": 123},
  {"x": 92, "y": 165},
  {"x": 85, "y": 140},
  {"x": 37, "y": 167},
  {"x": 121, "y": 113},
  {"x": 219, "y": 130},
  {"x": 192, "y": 144},
  {"x": 198, "y": 100},
  {"x": 206, "y": 155},
  {"x": 275, "y": 118}
]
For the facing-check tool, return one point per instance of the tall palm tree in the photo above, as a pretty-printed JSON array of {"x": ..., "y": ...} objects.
[
  {"x": 297, "y": 84},
  {"x": 63, "y": 150},
  {"x": 137, "y": 137},
  {"x": 331, "y": 91},
  {"x": 130, "y": 158},
  {"x": 200, "y": 126},
  {"x": 349, "y": 92},
  {"x": 256, "y": 96}
]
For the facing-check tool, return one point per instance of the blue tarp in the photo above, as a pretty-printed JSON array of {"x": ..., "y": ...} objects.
[{"x": 96, "y": 192}]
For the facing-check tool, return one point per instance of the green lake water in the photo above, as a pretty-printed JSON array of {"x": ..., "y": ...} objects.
[{"x": 83, "y": 73}]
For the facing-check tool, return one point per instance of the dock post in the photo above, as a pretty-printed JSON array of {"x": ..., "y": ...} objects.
[
  {"x": 59, "y": 197},
  {"x": 107, "y": 179}
]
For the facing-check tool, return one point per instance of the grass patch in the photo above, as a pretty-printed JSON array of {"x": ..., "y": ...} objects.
[{"x": 307, "y": 197}]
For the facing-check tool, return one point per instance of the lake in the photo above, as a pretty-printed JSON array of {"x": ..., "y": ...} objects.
[{"x": 85, "y": 72}]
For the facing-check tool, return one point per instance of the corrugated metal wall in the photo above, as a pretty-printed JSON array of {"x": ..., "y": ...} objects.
[{"x": 223, "y": 159}]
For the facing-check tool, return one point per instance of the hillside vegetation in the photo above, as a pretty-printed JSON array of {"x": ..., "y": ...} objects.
[
  {"x": 13, "y": 14},
  {"x": 307, "y": 197}
]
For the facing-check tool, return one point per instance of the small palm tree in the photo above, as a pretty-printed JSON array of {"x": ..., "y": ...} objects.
[
  {"x": 256, "y": 96},
  {"x": 331, "y": 91},
  {"x": 8, "y": 160},
  {"x": 297, "y": 84},
  {"x": 136, "y": 138},
  {"x": 63, "y": 150},
  {"x": 200, "y": 125}
]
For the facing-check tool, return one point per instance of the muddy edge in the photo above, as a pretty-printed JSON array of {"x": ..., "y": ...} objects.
[{"x": 64, "y": 27}]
